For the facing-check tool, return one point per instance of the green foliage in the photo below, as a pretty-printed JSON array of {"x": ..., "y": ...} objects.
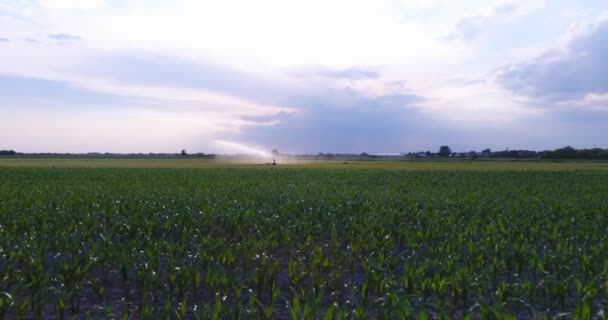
[
  {"x": 302, "y": 243},
  {"x": 444, "y": 151},
  {"x": 571, "y": 153}
]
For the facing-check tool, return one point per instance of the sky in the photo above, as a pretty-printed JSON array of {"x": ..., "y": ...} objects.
[{"x": 340, "y": 76}]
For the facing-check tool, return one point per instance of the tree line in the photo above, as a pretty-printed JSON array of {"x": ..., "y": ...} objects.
[
  {"x": 572, "y": 153},
  {"x": 560, "y": 153},
  {"x": 444, "y": 151}
]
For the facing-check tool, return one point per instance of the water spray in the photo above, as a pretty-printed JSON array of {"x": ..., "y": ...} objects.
[{"x": 248, "y": 150}]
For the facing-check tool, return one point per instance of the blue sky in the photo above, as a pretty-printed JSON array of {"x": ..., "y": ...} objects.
[{"x": 376, "y": 76}]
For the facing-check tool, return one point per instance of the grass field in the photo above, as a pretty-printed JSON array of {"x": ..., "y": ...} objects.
[
  {"x": 192, "y": 239},
  {"x": 210, "y": 164}
]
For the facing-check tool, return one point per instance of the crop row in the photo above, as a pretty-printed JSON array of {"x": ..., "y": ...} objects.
[{"x": 287, "y": 243}]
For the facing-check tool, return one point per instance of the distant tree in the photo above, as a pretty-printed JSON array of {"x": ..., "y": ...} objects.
[
  {"x": 572, "y": 153},
  {"x": 184, "y": 153},
  {"x": 445, "y": 151},
  {"x": 486, "y": 151},
  {"x": 364, "y": 154},
  {"x": 7, "y": 153}
]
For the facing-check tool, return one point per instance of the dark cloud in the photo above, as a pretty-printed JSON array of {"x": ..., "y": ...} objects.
[
  {"x": 581, "y": 69},
  {"x": 344, "y": 121},
  {"x": 348, "y": 98},
  {"x": 331, "y": 121},
  {"x": 64, "y": 37}
]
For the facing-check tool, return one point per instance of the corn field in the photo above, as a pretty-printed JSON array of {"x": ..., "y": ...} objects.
[{"x": 285, "y": 243}]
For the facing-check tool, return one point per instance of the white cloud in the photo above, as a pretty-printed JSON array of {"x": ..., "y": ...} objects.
[
  {"x": 476, "y": 104},
  {"x": 575, "y": 68},
  {"x": 179, "y": 98},
  {"x": 209, "y": 101},
  {"x": 73, "y": 4},
  {"x": 5, "y": 8},
  {"x": 591, "y": 102},
  {"x": 367, "y": 49},
  {"x": 473, "y": 26},
  {"x": 336, "y": 34}
]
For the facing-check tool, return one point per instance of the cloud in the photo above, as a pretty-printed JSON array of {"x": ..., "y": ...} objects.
[
  {"x": 348, "y": 73},
  {"x": 576, "y": 71},
  {"x": 4, "y": 39},
  {"x": 350, "y": 99},
  {"x": 342, "y": 121},
  {"x": 175, "y": 86},
  {"x": 24, "y": 90},
  {"x": 124, "y": 117},
  {"x": 9, "y": 11},
  {"x": 160, "y": 79},
  {"x": 271, "y": 118},
  {"x": 151, "y": 69},
  {"x": 472, "y": 27},
  {"x": 174, "y": 98},
  {"x": 31, "y": 40},
  {"x": 73, "y": 4},
  {"x": 590, "y": 102},
  {"x": 334, "y": 85},
  {"x": 64, "y": 37},
  {"x": 469, "y": 28}
]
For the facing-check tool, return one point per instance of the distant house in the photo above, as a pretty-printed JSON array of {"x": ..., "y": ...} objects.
[
  {"x": 526, "y": 154},
  {"x": 484, "y": 155}
]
